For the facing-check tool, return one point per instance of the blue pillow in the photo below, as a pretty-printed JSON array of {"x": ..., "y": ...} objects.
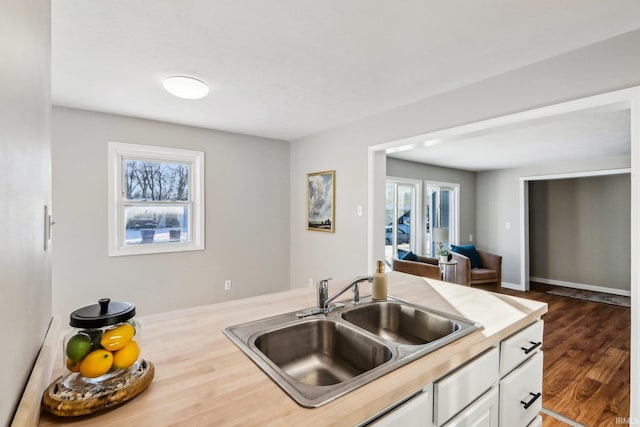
[
  {"x": 410, "y": 256},
  {"x": 470, "y": 252}
]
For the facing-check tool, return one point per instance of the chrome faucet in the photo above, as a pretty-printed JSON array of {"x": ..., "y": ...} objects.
[{"x": 324, "y": 301}]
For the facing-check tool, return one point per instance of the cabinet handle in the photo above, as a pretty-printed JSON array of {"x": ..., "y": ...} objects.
[
  {"x": 533, "y": 399},
  {"x": 533, "y": 347}
]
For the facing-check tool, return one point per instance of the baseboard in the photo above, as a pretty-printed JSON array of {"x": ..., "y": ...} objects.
[
  {"x": 513, "y": 286},
  {"x": 582, "y": 286}
]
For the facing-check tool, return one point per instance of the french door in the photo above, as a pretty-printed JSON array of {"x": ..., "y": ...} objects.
[
  {"x": 401, "y": 216},
  {"x": 441, "y": 216}
]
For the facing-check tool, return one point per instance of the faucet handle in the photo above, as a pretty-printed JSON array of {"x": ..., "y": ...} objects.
[{"x": 323, "y": 292}]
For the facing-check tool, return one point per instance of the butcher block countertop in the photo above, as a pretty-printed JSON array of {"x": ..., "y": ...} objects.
[{"x": 202, "y": 378}]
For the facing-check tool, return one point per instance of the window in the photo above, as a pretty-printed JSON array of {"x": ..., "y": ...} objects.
[{"x": 156, "y": 199}]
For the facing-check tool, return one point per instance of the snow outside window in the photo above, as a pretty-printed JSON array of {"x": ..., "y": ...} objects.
[{"x": 156, "y": 199}]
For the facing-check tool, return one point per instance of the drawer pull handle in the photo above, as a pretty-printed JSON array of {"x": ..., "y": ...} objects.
[
  {"x": 533, "y": 347},
  {"x": 533, "y": 399}
]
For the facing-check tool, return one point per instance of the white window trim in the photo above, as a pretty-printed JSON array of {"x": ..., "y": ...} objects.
[{"x": 117, "y": 150}]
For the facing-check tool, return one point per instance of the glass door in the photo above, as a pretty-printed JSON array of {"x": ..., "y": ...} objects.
[
  {"x": 441, "y": 215},
  {"x": 401, "y": 206}
]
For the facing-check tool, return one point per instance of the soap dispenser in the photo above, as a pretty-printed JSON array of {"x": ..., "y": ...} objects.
[{"x": 380, "y": 283}]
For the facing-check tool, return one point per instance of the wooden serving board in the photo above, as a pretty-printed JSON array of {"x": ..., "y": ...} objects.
[{"x": 64, "y": 402}]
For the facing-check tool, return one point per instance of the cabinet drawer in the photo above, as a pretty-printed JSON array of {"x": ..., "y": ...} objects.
[
  {"x": 458, "y": 389},
  {"x": 415, "y": 412},
  {"x": 519, "y": 347},
  {"x": 521, "y": 393},
  {"x": 481, "y": 413}
]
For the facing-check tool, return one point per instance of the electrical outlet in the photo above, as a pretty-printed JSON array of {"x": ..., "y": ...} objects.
[
  {"x": 311, "y": 283},
  {"x": 471, "y": 237},
  {"x": 227, "y": 285}
]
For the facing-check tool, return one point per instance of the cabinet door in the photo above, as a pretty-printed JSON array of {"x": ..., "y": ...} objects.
[
  {"x": 481, "y": 413},
  {"x": 521, "y": 393},
  {"x": 415, "y": 412},
  {"x": 458, "y": 389}
]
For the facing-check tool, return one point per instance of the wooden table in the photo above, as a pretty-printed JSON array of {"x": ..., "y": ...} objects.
[{"x": 203, "y": 379}]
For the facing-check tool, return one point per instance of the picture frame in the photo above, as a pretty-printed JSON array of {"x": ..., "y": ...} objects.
[{"x": 321, "y": 196}]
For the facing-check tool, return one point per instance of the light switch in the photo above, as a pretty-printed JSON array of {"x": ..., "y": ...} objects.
[
  {"x": 359, "y": 210},
  {"x": 507, "y": 226}
]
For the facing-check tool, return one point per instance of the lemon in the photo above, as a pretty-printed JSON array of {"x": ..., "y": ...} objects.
[
  {"x": 116, "y": 338},
  {"x": 78, "y": 346},
  {"x": 97, "y": 363},
  {"x": 125, "y": 357}
]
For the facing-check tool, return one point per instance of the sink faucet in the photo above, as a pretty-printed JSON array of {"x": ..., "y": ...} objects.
[
  {"x": 323, "y": 291},
  {"x": 324, "y": 301}
]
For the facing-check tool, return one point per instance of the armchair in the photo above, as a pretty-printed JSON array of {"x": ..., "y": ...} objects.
[
  {"x": 425, "y": 267},
  {"x": 490, "y": 272}
]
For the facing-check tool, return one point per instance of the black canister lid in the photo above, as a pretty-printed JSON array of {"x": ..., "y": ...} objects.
[{"x": 105, "y": 313}]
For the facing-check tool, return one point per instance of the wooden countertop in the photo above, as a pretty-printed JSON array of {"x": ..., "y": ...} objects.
[{"x": 202, "y": 378}]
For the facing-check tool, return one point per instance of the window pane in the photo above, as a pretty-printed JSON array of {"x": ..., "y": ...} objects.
[
  {"x": 156, "y": 224},
  {"x": 155, "y": 180}
]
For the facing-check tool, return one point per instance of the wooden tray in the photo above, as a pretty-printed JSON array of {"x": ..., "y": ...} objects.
[{"x": 64, "y": 402}]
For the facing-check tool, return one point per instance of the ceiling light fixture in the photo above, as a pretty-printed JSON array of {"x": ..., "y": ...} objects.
[{"x": 185, "y": 87}]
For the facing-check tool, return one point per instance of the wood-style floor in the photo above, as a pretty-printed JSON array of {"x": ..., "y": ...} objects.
[{"x": 586, "y": 358}]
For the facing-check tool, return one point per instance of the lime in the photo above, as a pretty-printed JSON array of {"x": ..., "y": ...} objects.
[
  {"x": 78, "y": 346},
  {"x": 96, "y": 336}
]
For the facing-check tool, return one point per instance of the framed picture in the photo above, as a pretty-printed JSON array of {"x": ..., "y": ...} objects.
[{"x": 321, "y": 190}]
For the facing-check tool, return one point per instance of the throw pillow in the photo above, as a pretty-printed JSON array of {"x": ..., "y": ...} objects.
[
  {"x": 410, "y": 256},
  {"x": 470, "y": 252}
]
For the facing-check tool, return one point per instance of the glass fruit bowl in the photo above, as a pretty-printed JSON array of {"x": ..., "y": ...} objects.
[{"x": 102, "y": 347}]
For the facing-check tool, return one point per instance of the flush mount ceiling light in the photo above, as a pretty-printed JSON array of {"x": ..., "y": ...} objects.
[{"x": 185, "y": 87}]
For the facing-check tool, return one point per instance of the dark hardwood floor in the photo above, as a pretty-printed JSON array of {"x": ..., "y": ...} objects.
[{"x": 586, "y": 358}]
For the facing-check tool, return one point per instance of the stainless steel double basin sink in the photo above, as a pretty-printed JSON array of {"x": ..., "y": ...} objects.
[{"x": 321, "y": 357}]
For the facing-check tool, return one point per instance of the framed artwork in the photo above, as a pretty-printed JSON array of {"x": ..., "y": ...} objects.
[{"x": 321, "y": 190}]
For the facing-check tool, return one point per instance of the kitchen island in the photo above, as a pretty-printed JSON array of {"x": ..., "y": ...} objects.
[{"x": 202, "y": 378}]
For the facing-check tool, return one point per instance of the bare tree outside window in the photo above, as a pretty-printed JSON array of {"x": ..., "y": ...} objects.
[
  {"x": 156, "y": 181},
  {"x": 154, "y": 196}
]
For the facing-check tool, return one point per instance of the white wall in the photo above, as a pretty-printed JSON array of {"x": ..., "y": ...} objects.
[
  {"x": 247, "y": 217},
  {"x": 25, "y": 187},
  {"x": 602, "y": 67},
  {"x": 498, "y": 195}
]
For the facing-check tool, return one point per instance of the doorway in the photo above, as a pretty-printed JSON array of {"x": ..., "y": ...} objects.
[{"x": 629, "y": 97}]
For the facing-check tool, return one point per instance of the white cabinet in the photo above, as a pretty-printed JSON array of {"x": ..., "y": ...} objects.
[
  {"x": 415, "y": 412},
  {"x": 501, "y": 387},
  {"x": 520, "y": 346},
  {"x": 521, "y": 393},
  {"x": 461, "y": 387},
  {"x": 481, "y": 413}
]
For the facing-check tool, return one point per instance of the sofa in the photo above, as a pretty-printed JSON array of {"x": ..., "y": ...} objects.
[
  {"x": 474, "y": 269},
  {"x": 423, "y": 266}
]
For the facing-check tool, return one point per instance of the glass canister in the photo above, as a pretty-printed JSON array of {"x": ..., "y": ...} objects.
[{"x": 102, "y": 347}]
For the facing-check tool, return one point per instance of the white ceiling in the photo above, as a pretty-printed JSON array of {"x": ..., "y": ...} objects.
[
  {"x": 588, "y": 134},
  {"x": 290, "y": 68}
]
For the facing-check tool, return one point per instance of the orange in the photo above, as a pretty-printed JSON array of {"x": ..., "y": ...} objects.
[
  {"x": 97, "y": 363},
  {"x": 116, "y": 338},
  {"x": 125, "y": 357}
]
